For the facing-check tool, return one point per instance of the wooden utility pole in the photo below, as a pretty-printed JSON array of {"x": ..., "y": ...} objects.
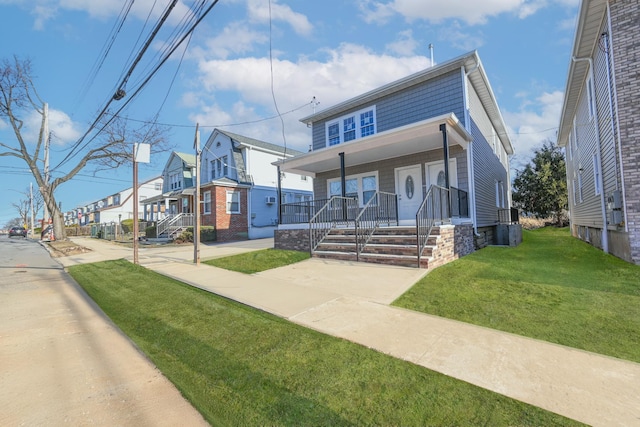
[
  {"x": 135, "y": 206},
  {"x": 196, "y": 226}
]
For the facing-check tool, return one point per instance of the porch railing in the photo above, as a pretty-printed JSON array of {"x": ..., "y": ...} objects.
[
  {"x": 381, "y": 208},
  {"x": 163, "y": 225},
  {"x": 173, "y": 224},
  {"x": 300, "y": 212},
  {"x": 459, "y": 203},
  {"x": 508, "y": 216},
  {"x": 336, "y": 211},
  {"x": 434, "y": 209}
]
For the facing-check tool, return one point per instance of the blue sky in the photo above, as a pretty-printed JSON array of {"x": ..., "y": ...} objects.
[{"x": 331, "y": 50}]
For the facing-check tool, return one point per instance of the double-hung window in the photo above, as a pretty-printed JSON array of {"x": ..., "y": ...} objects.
[
  {"x": 206, "y": 202},
  {"x": 233, "y": 202},
  {"x": 358, "y": 124},
  {"x": 362, "y": 186}
]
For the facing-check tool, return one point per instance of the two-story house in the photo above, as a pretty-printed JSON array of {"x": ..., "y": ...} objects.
[
  {"x": 239, "y": 185},
  {"x": 428, "y": 150},
  {"x": 115, "y": 207},
  {"x": 600, "y": 130}
]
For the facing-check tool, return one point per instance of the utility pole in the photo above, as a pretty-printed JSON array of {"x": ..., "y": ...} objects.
[
  {"x": 135, "y": 205},
  {"x": 31, "y": 206},
  {"x": 45, "y": 135},
  {"x": 196, "y": 227}
]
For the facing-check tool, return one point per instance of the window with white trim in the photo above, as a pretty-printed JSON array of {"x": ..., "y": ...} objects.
[
  {"x": 219, "y": 167},
  {"x": 233, "y": 202},
  {"x": 363, "y": 186},
  {"x": 580, "y": 187},
  {"x": 596, "y": 175},
  {"x": 175, "y": 181},
  {"x": 206, "y": 202},
  {"x": 500, "y": 198},
  {"x": 352, "y": 126}
]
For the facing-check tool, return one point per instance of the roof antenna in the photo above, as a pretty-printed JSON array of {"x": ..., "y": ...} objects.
[{"x": 431, "y": 52}]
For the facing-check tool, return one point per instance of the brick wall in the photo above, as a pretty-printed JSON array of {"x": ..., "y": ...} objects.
[
  {"x": 294, "y": 240},
  {"x": 454, "y": 242},
  {"x": 228, "y": 226},
  {"x": 625, "y": 39}
]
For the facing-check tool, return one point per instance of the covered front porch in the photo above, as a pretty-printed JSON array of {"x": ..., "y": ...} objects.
[{"x": 407, "y": 182}]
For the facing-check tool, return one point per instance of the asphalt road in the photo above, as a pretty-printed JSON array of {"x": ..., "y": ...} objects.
[{"x": 62, "y": 361}]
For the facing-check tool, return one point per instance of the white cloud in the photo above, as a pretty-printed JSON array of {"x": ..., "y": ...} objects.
[
  {"x": 295, "y": 83},
  {"x": 62, "y": 128},
  {"x": 236, "y": 38},
  {"x": 459, "y": 39},
  {"x": 405, "y": 45},
  {"x": 536, "y": 122},
  {"x": 259, "y": 12},
  {"x": 436, "y": 11}
]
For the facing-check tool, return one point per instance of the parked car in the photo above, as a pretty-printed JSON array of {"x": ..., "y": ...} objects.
[{"x": 17, "y": 231}]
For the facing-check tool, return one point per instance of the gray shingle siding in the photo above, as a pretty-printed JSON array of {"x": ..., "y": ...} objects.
[{"x": 441, "y": 95}]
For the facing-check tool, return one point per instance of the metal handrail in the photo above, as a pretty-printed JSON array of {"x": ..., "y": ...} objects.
[
  {"x": 382, "y": 207},
  {"x": 434, "y": 208},
  {"x": 338, "y": 210},
  {"x": 300, "y": 212},
  {"x": 459, "y": 203},
  {"x": 163, "y": 225}
]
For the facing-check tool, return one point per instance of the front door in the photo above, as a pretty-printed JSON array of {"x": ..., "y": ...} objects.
[
  {"x": 435, "y": 174},
  {"x": 409, "y": 191}
]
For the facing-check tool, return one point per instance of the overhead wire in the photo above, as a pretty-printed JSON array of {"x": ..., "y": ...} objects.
[
  {"x": 119, "y": 91},
  {"x": 273, "y": 93},
  {"x": 106, "y": 48}
]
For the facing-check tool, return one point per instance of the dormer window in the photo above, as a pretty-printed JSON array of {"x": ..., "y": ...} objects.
[{"x": 351, "y": 126}]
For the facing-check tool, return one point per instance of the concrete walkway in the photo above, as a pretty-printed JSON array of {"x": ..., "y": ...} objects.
[{"x": 350, "y": 300}]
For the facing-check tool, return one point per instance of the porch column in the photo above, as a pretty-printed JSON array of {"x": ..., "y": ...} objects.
[
  {"x": 343, "y": 185},
  {"x": 279, "y": 196},
  {"x": 445, "y": 150},
  {"x": 342, "y": 177}
]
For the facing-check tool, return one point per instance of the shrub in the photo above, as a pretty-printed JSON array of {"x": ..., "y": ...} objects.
[{"x": 151, "y": 232}]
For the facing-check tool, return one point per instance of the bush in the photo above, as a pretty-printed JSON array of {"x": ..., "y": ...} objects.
[
  {"x": 151, "y": 232},
  {"x": 207, "y": 234}
]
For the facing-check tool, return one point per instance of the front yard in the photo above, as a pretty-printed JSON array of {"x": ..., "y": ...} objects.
[{"x": 552, "y": 287}]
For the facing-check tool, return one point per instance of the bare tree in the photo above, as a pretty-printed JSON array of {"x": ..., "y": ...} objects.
[
  {"x": 110, "y": 146},
  {"x": 23, "y": 206}
]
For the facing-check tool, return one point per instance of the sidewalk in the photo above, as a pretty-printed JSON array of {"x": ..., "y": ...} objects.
[{"x": 350, "y": 300}]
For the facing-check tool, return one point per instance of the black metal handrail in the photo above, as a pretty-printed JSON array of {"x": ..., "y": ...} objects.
[
  {"x": 459, "y": 203},
  {"x": 434, "y": 208},
  {"x": 300, "y": 212},
  {"x": 381, "y": 208},
  {"x": 337, "y": 211},
  {"x": 508, "y": 216}
]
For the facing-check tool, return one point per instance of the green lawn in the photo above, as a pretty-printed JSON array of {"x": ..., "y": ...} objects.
[
  {"x": 241, "y": 366},
  {"x": 552, "y": 287},
  {"x": 256, "y": 261}
]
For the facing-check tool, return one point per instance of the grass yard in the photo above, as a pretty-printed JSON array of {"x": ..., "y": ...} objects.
[
  {"x": 256, "y": 261},
  {"x": 552, "y": 287},
  {"x": 241, "y": 366}
]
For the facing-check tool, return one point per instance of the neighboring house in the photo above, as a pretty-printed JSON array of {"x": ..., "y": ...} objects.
[
  {"x": 432, "y": 136},
  {"x": 115, "y": 207},
  {"x": 178, "y": 188},
  {"x": 600, "y": 130},
  {"x": 239, "y": 185}
]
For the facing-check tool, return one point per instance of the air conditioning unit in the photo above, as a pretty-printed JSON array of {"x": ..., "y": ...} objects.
[{"x": 270, "y": 200}]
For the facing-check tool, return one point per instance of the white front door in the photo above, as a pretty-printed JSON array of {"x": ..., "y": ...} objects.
[
  {"x": 409, "y": 191},
  {"x": 435, "y": 173}
]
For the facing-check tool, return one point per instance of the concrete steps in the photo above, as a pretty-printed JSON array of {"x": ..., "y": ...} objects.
[{"x": 388, "y": 245}]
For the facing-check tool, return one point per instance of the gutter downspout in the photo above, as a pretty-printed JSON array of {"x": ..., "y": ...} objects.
[
  {"x": 472, "y": 174},
  {"x": 613, "y": 95},
  {"x": 603, "y": 206}
]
